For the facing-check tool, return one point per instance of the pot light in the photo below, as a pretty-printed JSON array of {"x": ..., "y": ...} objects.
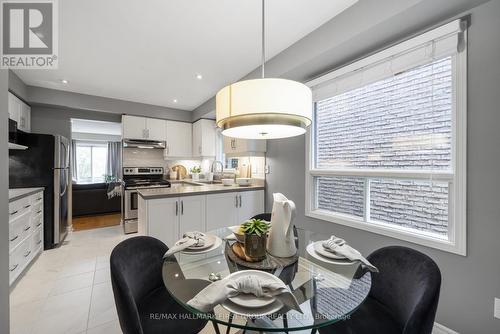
[
  {"x": 266, "y": 108},
  {"x": 175, "y": 100},
  {"x": 199, "y": 76},
  {"x": 64, "y": 81}
]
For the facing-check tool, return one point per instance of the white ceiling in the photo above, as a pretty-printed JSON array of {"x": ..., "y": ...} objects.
[
  {"x": 151, "y": 51},
  {"x": 96, "y": 127}
]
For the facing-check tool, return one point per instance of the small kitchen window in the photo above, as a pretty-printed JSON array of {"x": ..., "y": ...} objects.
[
  {"x": 91, "y": 159},
  {"x": 387, "y": 147}
]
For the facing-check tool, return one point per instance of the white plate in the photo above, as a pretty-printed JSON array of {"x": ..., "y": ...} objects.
[
  {"x": 217, "y": 243},
  {"x": 318, "y": 247},
  {"x": 250, "y": 300},
  {"x": 311, "y": 251},
  {"x": 252, "y": 312},
  {"x": 209, "y": 242}
]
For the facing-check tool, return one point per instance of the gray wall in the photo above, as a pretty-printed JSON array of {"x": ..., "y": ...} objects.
[
  {"x": 469, "y": 283},
  {"x": 4, "y": 208}
]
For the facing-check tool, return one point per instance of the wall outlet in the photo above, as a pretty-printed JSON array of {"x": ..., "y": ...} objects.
[
  {"x": 267, "y": 169},
  {"x": 496, "y": 312}
]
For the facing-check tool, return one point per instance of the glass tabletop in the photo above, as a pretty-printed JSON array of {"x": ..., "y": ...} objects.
[{"x": 326, "y": 292}]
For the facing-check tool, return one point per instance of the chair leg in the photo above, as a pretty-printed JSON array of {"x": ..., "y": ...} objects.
[
  {"x": 231, "y": 316},
  {"x": 216, "y": 327},
  {"x": 285, "y": 323}
]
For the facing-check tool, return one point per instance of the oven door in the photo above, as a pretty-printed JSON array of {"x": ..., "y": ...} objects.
[{"x": 131, "y": 204}]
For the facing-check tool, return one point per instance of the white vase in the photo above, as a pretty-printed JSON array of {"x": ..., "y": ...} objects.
[
  {"x": 195, "y": 176},
  {"x": 281, "y": 241}
]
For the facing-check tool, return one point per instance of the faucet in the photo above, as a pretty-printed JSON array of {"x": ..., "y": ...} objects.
[{"x": 212, "y": 169}]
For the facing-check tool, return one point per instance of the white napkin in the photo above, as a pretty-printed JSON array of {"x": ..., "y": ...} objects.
[
  {"x": 189, "y": 239},
  {"x": 219, "y": 291},
  {"x": 338, "y": 246}
]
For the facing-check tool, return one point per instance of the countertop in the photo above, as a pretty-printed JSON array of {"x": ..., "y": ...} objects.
[
  {"x": 202, "y": 189},
  {"x": 22, "y": 192}
]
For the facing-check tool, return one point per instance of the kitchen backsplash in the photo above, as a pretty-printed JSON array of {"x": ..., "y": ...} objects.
[{"x": 135, "y": 157}]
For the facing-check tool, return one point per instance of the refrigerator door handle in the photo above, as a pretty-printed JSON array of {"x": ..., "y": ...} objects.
[{"x": 65, "y": 184}]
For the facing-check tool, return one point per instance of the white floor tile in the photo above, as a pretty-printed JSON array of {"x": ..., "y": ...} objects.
[
  {"x": 24, "y": 315},
  {"x": 102, "y": 308},
  {"x": 102, "y": 276},
  {"x": 72, "y": 283},
  {"x": 78, "y": 267},
  {"x": 64, "y": 314},
  {"x": 112, "y": 327}
]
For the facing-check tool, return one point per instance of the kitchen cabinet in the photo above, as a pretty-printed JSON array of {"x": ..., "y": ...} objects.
[
  {"x": 20, "y": 112},
  {"x": 237, "y": 146},
  {"x": 222, "y": 210},
  {"x": 204, "y": 138},
  {"x": 168, "y": 218},
  {"x": 143, "y": 128},
  {"x": 233, "y": 208},
  {"x": 179, "y": 139},
  {"x": 25, "y": 233}
]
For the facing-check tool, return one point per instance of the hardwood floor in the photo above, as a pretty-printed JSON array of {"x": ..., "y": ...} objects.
[{"x": 90, "y": 222}]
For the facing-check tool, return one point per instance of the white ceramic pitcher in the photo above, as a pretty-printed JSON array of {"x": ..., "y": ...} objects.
[{"x": 281, "y": 241}]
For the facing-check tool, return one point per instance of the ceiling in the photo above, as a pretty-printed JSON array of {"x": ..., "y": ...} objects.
[
  {"x": 96, "y": 127},
  {"x": 151, "y": 51}
]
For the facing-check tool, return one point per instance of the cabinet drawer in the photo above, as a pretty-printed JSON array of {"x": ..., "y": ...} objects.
[
  {"x": 36, "y": 220},
  {"x": 37, "y": 208},
  {"x": 36, "y": 241},
  {"x": 37, "y": 198},
  {"x": 18, "y": 259},
  {"x": 19, "y": 228},
  {"x": 17, "y": 208}
]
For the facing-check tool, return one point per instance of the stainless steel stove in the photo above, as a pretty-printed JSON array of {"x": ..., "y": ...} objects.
[{"x": 138, "y": 178}]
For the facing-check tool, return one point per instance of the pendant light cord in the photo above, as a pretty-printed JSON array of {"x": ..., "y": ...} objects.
[{"x": 263, "y": 37}]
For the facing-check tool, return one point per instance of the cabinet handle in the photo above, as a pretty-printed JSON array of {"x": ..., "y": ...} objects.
[
  {"x": 40, "y": 223},
  {"x": 236, "y": 200},
  {"x": 240, "y": 200},
  {"x": 27, "y": 206},
  {"x": 27, "y": 254},
  {"x": 39, "y": 242},
  {"x": 27, "y": 228},
  {"x": 38, "y": 211},
  {"x": 147, "y": 133},
  {"x": 13, "y": 213},
  {"x": 176, "y": 208},
  {"x": 14, "y": 238},
  {"x": 199, "y": 150},
  {"x": 38, "y": 199},
  {"x": 13, "y": 268},
  {"x": 182, "y": 207}
]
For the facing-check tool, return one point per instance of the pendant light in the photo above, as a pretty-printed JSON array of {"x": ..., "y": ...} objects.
[{"x": 266, "y": 108}]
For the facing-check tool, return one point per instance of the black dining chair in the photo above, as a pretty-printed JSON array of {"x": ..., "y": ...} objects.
[
  {"x": 403, "y": 298},
  {"x": 143, "y": 303}
]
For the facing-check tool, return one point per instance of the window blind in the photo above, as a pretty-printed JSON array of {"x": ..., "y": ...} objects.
[{"x": 438, "y": 43}]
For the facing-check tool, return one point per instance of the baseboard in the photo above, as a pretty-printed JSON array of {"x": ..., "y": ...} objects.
[{"x": 440, "y": 329}]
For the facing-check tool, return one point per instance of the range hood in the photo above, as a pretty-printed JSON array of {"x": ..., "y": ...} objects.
[{"x": 138, "y": 143}]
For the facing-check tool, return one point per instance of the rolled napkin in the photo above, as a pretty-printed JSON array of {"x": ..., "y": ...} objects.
[
  {"x": 219, "y": 291},
  {"x": 189, "y": 239},
  {"x": 338, "y": 246}
]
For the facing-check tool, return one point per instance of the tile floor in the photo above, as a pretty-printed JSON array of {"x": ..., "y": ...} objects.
[{"x": 68, "y": 290}]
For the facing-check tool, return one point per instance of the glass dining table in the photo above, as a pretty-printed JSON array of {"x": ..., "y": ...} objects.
[{"x": 326, "y": 291}]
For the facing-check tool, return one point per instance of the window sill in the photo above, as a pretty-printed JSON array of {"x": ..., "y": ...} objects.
[{"x": 406, "y": 234}]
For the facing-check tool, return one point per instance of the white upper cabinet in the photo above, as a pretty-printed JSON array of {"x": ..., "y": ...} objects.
[
  {"x": 204, "y": 138},
  {"x": 179, "y": 139},
  {"x": 20, "y": 112},
  {"x": 135, "y": 127},
  {"x": 237, "y": 146},
  {"x": 156, "y": 129}
]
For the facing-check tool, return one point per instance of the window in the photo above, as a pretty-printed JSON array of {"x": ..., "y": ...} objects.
[
  {"x": 387, "y": 145},
  {"x": 91, "y": 162}
]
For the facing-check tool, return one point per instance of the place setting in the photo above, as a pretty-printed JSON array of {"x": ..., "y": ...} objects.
[{"x": 194, "y": 243}]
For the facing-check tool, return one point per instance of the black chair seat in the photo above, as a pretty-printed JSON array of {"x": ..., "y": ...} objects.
[
  {"x": 370, "y": 317},
  {"x": 160, "y": 314}
]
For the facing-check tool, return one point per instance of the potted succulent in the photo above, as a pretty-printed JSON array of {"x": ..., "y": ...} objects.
[
  {"x": 195, "y": 173},
  {"x": 255, "y": 231}
]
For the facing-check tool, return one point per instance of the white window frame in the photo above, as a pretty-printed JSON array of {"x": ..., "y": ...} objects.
[
  {"x": 90, "y": 144},
  {"x": 456, "y": 241}
]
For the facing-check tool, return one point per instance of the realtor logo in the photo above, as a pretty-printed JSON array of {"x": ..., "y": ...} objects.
[{"x": 29, "y": 34}]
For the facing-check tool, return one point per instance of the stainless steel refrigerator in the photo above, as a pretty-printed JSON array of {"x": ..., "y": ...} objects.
[{"x": 45, "y": 164}]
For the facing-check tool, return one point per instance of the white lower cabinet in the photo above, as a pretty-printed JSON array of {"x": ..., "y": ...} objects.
[
  {"x": 25, "y": 232},
  {"x": 167, "y": 219}
]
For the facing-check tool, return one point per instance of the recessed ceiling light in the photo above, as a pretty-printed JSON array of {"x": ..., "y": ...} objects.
[
  {"x": 199, "y": 76},
  {"x": 64, "y": 81},
  {"x": 175, "y": 100}
]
